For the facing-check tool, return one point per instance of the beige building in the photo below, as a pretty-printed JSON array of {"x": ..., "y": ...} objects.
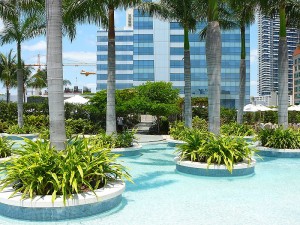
[{"x": 296, "y": 59}]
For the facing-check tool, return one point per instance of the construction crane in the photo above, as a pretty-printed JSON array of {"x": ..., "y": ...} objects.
[{"x": 86, "y": 73}]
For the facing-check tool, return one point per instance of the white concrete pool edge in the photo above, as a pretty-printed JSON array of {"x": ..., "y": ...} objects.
[
  {"x": 110, "y": 191},
  {"x": 200, "y": 165}
]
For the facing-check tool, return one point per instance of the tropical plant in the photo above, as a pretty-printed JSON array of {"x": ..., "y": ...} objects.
[
  {"x": 42, "y": 170},
  {"x": 119, "y": 140},
  {"x": 55, "y": 74},
  {"x": 199, "y": 124},
  {"x": 102, "y": 13},
  {"x": 211, "y": 149},
  {"x": 236, "y": 129},
  {"x": 286, "y": 10},
  {"x": 17, "y": 28},
  {"x": 5, "y": 147},
  {"x": 280, "y": 138},
  {"x": 8, "y": 72},
  {"x": 38, "y": 80},
  {"x": 26, "y": 129},
  {"x": 185, "y": 13}
]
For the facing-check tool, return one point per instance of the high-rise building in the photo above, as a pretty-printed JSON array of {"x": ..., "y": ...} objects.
[
  {"x": 268, "y": 43},
  {"x": 296, "y": 59},
  {"x": 149, "y": 49}
]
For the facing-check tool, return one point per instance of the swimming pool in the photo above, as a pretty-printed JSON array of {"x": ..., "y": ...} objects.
[{"x": 162, "y": 196}]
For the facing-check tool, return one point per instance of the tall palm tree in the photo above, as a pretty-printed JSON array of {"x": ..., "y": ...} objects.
[
  {"x": 38, "y": 80},
  {"x": 184, "y": 12},
  {"x": 8, "y": 72},
  {"x": 241, "y": 14},
  {"x": 27, "y": 70},
  {"x": 18, "y": 28},
  {"x": 102, "y": 12},
  {"x": 213, "y": 61},
  {"x": 55, "y": 73},
  {"x": 287, "y": 10}
]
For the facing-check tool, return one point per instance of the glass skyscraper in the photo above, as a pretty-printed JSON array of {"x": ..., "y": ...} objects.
[
  {"x": 149, "y": 49},
  {"x": 268, "y": 43}
]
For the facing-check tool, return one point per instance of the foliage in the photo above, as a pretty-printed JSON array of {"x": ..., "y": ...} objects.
[
  {"x": 120, "y": 140},
  {"x": 280, "y": 138},
  {"x": 199, "y": 124},
  {"x": 235, "y": 129},
  {"x": 179, "y": 132},
  {"x": 228, "y": 115},
  {"x": 163, "y": 126},
  {"x": 26, "y": 129},
  {"x": 38, "y": 121},
  {"x": 42, "y": 170},
  {"x": 3, "y": 126},
  {"x": 211, "y": 149},
  {"x": 80, "y": 126},
  {"x": 5, "y": 147}
]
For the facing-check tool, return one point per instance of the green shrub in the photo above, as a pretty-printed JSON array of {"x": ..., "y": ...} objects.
[
  {"x": 5, "y": 147},
  {"x": 15, "y": 129},
  {"x": 120, "y": 140},
  {"x": 211, "y": 149},
  {"x": 3, "y": 126},
  {"x": 80, "y": 126},
  {"x": 280, "y": 138},
  {"x": 199, "y": 124},
  {"x": 235, "y": 129},
  {"x": 38, "y": 121},
  {"x": 42, "y": 170}
]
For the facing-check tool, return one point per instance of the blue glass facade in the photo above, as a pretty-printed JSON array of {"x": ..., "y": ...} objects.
[{"x": 154, "y": 52}]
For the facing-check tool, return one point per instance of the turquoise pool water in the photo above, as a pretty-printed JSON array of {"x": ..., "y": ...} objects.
[{"x": 161, "y": 196}]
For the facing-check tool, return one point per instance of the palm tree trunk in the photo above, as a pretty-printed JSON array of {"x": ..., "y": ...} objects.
[
  {"x": 213, "y": 61},
  {"x": 283, "y": 97},
  {"x": 187, "y": 81},
  {"x": 242, "y": 77},
  {"x": 7, "y": 94},
  {"x": 111, "y": 76},
  {"x": 20, "y": 86},
  {"x": 55, "y": 74}
]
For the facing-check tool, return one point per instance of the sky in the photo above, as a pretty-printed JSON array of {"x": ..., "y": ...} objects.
[{"x": 83, "y": 50}]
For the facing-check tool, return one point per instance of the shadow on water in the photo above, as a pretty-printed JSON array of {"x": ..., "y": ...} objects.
[
  {"x": 147, "y": 181},
  {"x": 155, "y": 162}
]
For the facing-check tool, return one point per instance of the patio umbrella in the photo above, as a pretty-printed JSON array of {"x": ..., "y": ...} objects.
[
  {"x": 262, "y": 108},
  {"x": 294, "y": 108},
  {"x": 77, "y": 99},
  {"x": 250, "y": 108}
]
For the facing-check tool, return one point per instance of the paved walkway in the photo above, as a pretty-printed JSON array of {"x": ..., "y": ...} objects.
[{"x": 145, "y": 138}]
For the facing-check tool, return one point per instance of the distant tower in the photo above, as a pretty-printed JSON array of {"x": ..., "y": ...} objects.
[{"x": 268, "y": 43}]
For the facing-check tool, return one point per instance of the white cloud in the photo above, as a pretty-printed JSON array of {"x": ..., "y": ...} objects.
[
  {"x": 254, "y": 56},
  {"x": 80, "y": 56},
  {"x": 40, "y": 46}
]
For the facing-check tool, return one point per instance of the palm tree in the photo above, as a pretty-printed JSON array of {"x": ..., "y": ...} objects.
[
  {"x": 8, "y": 72},
  {"x": 241, "y": 14},
  {"x": 38, "y": 80},
  {"x": 26, "y": 77},
  {"x": 184, "y": 12},
  {"x": 18, "y": 28},
  {"x": 55, "y": 73},
  {"x": 287, "y": 10},
  {"x": 102, "y": 12},
  {"x": 213, "y": 61}
]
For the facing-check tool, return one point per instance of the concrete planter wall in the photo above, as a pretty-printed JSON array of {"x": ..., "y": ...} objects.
[
  {"x": 135, "y": 150},
  {"x": 174, "y": 143},
  {"x": 17, "y": 137},
  {"x": 41, "y": 208},
  {"x": 201, "y": 169},
  {"x": 280, "y": 153}
]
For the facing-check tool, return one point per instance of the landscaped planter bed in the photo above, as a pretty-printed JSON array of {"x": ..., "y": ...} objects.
[
  {"x": 201, "y": 169},
  {"x": 135, "y": 150},
  {"x": 280, "y": 153},
  {"x": 41, "y": 208}
]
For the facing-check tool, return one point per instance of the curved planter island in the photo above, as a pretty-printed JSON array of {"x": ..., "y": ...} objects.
[
  {"x": 280, "y": 153},
  {"x": 41, "y": 208},
  {"x": 201, "y": 169},
  {"x": 135, "y": 150},
  {"x": 174, "y": 143}
]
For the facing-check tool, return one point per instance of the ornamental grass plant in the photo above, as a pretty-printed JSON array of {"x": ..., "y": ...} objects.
[
  {"x": 42, "y": 170},
  {"x": 221, "y": 150},
  {"x": 235, "y": 129},
  {"x": 280, "y": 138},
  {"x": 5, "y": 147}
]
